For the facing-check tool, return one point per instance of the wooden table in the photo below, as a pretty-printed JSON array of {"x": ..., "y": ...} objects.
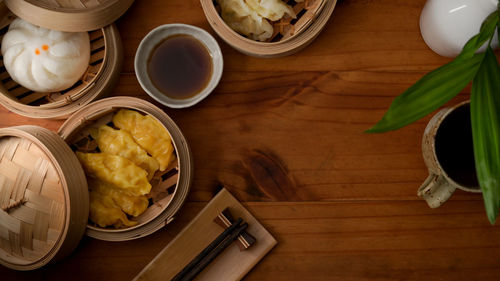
[{"x": 285, "y": 136}]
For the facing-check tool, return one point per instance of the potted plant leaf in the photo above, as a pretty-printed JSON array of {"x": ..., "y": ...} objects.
[{"x": 441, "y": 85}]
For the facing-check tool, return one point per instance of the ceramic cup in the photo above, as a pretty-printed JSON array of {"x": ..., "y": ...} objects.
[
  {"x": 446, "y": 25},
  {"x": 438, "y": 186},
  {"x": 159, "y": 34}
]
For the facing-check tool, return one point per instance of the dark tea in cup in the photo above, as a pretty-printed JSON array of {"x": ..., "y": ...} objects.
[{"x": 454, "y": 148}]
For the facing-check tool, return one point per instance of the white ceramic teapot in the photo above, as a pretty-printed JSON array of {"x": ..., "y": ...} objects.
[{"x": 446, "y": 25}]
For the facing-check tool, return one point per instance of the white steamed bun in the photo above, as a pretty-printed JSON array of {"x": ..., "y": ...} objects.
[{"x": 44, "y": 60}]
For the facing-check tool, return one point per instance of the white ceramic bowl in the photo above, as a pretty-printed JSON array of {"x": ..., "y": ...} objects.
[{"x": 153, "y": 38}]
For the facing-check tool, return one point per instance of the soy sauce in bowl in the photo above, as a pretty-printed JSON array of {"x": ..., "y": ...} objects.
[{"x": 180, "y": 66}]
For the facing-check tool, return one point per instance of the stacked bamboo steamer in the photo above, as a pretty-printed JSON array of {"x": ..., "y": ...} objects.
[
  {"x": 290, "y": 35},
  {"x": 96, "y": 17},
  {"x": 44, "y": 201}
]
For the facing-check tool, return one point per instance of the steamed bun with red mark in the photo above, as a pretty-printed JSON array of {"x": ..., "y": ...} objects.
[{"x": 44, "y": 60}]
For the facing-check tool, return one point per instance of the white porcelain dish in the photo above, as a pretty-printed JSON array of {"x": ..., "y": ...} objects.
[{"x": 153, "y": 38}]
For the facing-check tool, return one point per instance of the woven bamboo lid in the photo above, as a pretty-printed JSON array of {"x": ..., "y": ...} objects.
[
  {"x": 43, "y": 198},
  {"x": 69, "y": 15}
]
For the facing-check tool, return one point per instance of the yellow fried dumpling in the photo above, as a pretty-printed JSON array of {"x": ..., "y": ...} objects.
[
  {"x": 271, "y": 9},
  {"x": 148, "y": 133},
  {"x": 120, "y": 142},
  {"x": 104, "y": 212},
  {"x": 130, "y": 204},
  {"x": 116, "y": 170}
]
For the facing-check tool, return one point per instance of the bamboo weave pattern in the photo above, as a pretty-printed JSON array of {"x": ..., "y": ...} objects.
[
  {"x": 287, "y": 27},
  {"x": 31, "y": 200}
]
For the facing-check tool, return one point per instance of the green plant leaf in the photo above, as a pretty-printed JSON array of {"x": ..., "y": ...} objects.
[
  {"x": 429, "y": 93},
  {"x": 438, "y": 86},
  {"x": 485, "y": 118},
  {"x": 486, "y": 33}
]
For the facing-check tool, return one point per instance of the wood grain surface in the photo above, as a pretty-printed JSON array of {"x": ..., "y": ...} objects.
[{"x": 285, "y": 136}]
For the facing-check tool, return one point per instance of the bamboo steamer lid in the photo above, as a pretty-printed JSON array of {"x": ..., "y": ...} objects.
[
  {"x": 69, "y": 15},
  {"x": 100, "y": 77},
  {"x": 43, "y": 198},
  {"x": 289, "y": 36}
]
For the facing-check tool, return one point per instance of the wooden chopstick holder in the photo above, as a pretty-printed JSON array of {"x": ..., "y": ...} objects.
[{"x": 225, "y": 220}]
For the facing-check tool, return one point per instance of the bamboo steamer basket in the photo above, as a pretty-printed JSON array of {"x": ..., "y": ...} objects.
[
  {"x": 174, "y": 185},
  {"x": 289, "y": 36},
  {"x": 71, "y": 15},
  {"x": 44, "y": 196},
  {"x": 105, "y": 60}
]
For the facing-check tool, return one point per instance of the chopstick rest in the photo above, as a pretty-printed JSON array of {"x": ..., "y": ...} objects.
[{"x": 225, "y": 220}]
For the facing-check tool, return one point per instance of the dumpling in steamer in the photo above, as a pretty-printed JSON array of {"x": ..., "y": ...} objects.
[
  {"x": 148, "y": 133},
  {"x": 44, "y": 60},
  {"x": 116, "y": 170},
  {"x": 241, "y": 18},
  {"x": 271, "y": 9},
  {"x": 104, "y": 212},
  {"x": 132, "y": 205},
  {"x": 120, "y": 142}
]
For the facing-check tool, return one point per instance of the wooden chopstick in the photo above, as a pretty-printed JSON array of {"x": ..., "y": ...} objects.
[
  {"x": 207, "y": 250},
  {"x": 213, "y": 254}
]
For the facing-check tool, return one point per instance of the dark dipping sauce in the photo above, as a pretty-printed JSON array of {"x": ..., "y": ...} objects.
[
  {"x": 180, "y": 66},
  {"x": 454, "y": 148}
]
